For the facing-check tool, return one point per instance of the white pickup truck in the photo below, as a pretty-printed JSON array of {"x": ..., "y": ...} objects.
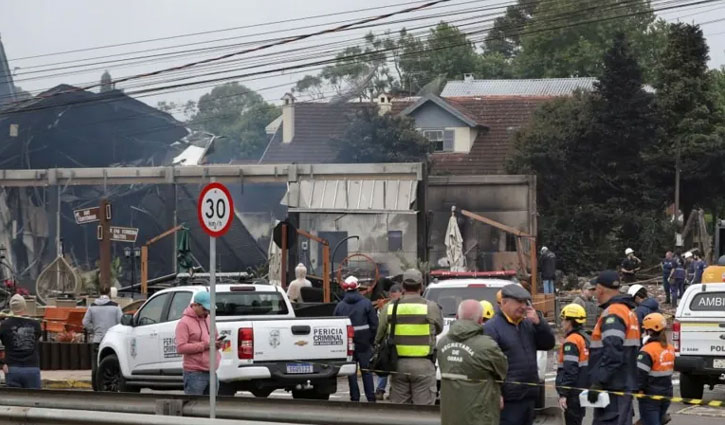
[
  {"x": 450, "y": 292},
  {"x": 266, "y": 347},
  {"x": 698, "y": 335}
]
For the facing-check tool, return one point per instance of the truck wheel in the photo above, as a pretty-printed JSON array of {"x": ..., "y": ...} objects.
[
  {"x": 310, "y": 395},
  {"x": 691, "y": 386},
  {"x": 227, "y": 390},
  {"x": 262, "y": 392},
  {"x": 110, "y": 378}
]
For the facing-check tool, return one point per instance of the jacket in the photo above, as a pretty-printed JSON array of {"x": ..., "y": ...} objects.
[
  {"x": 362, "y": 316},
  {"x": 592, "y": 310},
  {"x": 648, "y": 306},
  {"x": 573, "y": 362},
  {"x": 614, "y": 346},
  {"x": 101, "y": 316},
  {"x": 192, "y": 341},
  {"x": 433, "y": 318},
  {"x": 464, "y": 354},
  {"x": 519, "y": 342},
  {"x": 655, "y": 365},
  {"x": 547, "y": 263},
  {"x": 20, "y": 336}
]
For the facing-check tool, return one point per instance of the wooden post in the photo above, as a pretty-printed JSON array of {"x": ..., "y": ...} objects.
[
  {"x": 534, "y": 265},
  {"x": 283, "y": 260},
  {"x": 105, "y": 245},
  {"x": 144, "y": 269},
  {"x": 326, "y": 273}
]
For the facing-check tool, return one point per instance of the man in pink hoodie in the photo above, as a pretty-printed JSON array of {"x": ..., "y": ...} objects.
[{"x": 192, "y": 341}]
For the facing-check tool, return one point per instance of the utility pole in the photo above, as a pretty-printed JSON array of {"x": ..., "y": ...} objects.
[{"x": 104, "y": 242}]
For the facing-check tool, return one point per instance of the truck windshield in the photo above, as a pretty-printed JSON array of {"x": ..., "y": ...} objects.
[
  {"x": 250, "y": 304},
  {"x": 708, "y": 301},
  {"x": 449, "y": 298}
]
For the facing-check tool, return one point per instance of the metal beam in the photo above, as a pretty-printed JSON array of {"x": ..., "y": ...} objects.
[{"x": 257, "y": 173}]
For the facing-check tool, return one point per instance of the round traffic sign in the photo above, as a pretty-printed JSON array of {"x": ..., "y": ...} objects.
[{"x": 215, "y": 209}]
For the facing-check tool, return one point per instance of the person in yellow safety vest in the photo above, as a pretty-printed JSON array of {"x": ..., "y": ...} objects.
[
  {"x": 417, "y": 322},
  {"x": 573, "y": 362},
  {"x": 487, "y": 310},
  {"x": 655, "y": 365}
]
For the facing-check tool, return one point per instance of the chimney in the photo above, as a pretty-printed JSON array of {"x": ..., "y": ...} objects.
[
  {"x": 385, "y": 103},
  {"x": 288, "y": 118},
  {"x": 468, "y": 77}
]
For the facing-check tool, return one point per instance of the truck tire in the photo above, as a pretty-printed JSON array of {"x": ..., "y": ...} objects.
[
  {"x": 227, "y": 390},
  {"x": 261, "y": 392},
  {"x": 110, "y": 378},
  {"x": 310, "y": 395},
  {"x": 691, "y": 386}
]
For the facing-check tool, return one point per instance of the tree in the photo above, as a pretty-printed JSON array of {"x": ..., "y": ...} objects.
[
  {"x": 505, "y": 37},
  {"x": 371, "y": 137},
  {"x": 693, "y": 121},
  {"x": 718, "y": 80}
]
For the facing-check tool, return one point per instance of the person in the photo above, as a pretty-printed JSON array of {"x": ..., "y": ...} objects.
[
  {"x": 393, "y": 294},
  {"x": 630, "y": 266},
  {"x": 613, "y": 352},
  {"x": 192, "y": 342},
  {"x": 698, "y": 267},
  {"x": 547, "y": 265},
  {"x": 677, "y": 282},
  {"x": 520, "y": 331},
  {"x": 586, "y": 300},
  {"x": 667, "y": 265},
  {"x": 364, "y": 321},
  {"x": 414, "y": 379},
  {"x": 294, "y": 292},
  {"x": 573, "y": 361},
  {"x": 487, "y": 312},
  {"x": 645, "y": 305},
  {"x": 20, "y": 335},
  {"x": 101, "y": 316},
  {"x": 655, "y": 365},
  {"x": 471, "y": 365}
]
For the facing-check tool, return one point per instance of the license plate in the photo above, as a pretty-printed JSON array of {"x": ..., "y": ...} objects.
[
  {"x": 300, "y": 368},
  {"x": 718, "y": 363}
]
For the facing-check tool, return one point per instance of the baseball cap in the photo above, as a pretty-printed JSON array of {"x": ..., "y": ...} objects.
[
  {"x": 202, "y": 298},
  {"x": 515, "y": 292},
  {"x": 395, "y": 288},
  {"x": 412, "y": 276},
  {"x": 609, "y": 279}
]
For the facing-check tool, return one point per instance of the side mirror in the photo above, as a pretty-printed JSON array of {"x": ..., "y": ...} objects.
[{"x": 127, "y": 320}]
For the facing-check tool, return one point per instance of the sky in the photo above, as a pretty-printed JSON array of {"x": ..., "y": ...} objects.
[{"x": 31, "y": 28}]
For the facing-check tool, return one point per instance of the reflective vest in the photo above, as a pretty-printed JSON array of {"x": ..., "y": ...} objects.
[
  {"x": 655, "y": 366},
  {"x": 580, "y": 350},
  {"x": 614, "y": 365},
  {"x": 573, "y": 363},
  {"x": 630, "y": 335},
  {"x": 412, "y": 329}
]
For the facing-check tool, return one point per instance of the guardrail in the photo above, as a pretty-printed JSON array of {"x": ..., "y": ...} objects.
[{"x": 236, "y": 408}]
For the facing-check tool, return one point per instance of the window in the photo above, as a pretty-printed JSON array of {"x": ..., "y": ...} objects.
[
  {"x": 708, "y": 301},
  {"x": 395, "y": 240},
  {"x": 151, "y": 312},
  {"x": 178, "y": 305},
  {"x": 449, "y": 298},
  {"x": 250, "y": 303},
  {"x": 441, "y": 140}
]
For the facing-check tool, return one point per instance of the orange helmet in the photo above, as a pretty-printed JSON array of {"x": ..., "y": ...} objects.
[
  {"x": 499, "y": 296},
  {"x": 654, "y": 322}
]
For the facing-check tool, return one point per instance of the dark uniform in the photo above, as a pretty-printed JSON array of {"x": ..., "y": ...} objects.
[
  {"x": 572, "y": 372},
  {"x": 632, "y": 264},
  {"x": 655, "y": 365}
]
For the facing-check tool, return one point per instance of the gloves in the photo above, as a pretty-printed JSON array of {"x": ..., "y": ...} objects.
[{"x": 593, "y": 394}]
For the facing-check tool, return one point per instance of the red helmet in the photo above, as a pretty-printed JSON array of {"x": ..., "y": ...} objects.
[{"x": 350, "y": 283}]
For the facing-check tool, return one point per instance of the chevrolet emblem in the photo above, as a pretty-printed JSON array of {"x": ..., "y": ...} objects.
[{"x": 301, "y": 343}]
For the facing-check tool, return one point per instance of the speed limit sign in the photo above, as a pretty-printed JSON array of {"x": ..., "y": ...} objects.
[{"x": 215, "y": 209}]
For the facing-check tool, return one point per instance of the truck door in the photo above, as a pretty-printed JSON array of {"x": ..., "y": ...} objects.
[
  {"x": 703, "y": 324},
  {"x": 145, "y": 340},
  {"x": 170, "y": 360}
]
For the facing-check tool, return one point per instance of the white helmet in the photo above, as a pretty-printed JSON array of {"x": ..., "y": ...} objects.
[
  {"x": 628, "y": 251},
  {"x": 688, "y": 254},
  {"x": 544, "y": 249},
  {"x": 634, "y": 289},
  {"x": 350, "y": 283}
]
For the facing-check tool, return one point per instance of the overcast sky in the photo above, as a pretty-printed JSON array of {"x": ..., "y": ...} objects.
[{"x": 41, "y": 27}]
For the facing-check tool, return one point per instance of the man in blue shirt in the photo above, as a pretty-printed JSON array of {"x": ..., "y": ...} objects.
[
  {"x": 698, "y": 267},
  {"x": 667, "y": 265}
]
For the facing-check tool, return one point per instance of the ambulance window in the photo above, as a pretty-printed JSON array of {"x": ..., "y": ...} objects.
[{"x": 708, "y": 301}]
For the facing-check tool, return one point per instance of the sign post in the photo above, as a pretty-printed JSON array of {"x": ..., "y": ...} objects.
[{"x": 215, "y": 210}]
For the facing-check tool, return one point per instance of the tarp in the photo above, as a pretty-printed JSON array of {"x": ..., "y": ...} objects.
[
  {"x": 454, "y": 245},
  {"x": 184, "y": 261},
  {"x": 274, "y": 256}
]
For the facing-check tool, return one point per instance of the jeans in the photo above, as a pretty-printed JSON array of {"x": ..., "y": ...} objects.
[
  {"x": 651, "y": 412},
  {"x": 23, "y": 377},
  {"x": 382, "y": 383},
  {"x": 518, "y": 412},
  {"x": 196, "y": 383},
  {"x": 548, "y": 286},
  {"x": 362, "y": 358}
]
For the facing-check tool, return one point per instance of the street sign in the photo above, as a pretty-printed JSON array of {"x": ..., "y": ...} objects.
[
  {"x": 291, "y": 233},
  {"x": 215, "y": 209},
  {"x": 124, "y": 234},
  {"x": 87, "y": 215}
]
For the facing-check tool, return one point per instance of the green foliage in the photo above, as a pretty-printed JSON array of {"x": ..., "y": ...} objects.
[
  {"x": 505, "y": 36},
  {"x": 718, "y": 80},
  {"x": 371, "y": 137}
]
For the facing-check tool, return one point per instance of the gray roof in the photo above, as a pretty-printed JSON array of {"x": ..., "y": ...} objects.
[
  {"x": 533, "y": 87},
  {"x": 7, "y": 88}
]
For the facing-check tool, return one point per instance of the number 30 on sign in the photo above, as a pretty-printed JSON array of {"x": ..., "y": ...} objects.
[{"x": 215, "y": 209}]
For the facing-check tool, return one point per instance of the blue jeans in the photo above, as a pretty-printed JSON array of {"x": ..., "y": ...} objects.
[
  {"x": 677, "y": 289},
  {"x": 23, "y": 377},
  {"x": 651, "y": 412},
  {"x": 196, "y": 383},
  {"x": 382, "y": 383},
  {"x": 548, "y": 286},
  {"x": 363, "y": 358}
]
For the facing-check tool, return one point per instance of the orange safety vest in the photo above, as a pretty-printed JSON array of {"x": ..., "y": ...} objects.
[
  {"x": 582, "y": 348},
  {"x": 663, "y": 359},
  {"x": 630, "y": 336}
]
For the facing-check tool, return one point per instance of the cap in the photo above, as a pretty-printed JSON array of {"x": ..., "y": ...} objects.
[
  {"x": 413, "y": 276},
  {"x": 202, "y": 298},
  {"x": 634, "y": 289},
  {"x": 609, "y": 279},
  {"x": 628, "y": 251},
  {"x": 17, "y": 303},
  {"x": 544, "y": 249},
  {"x": 350, "y": 283},
  {"x": 516, "y": 292},
  {"x": 396, "y": 288}
]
